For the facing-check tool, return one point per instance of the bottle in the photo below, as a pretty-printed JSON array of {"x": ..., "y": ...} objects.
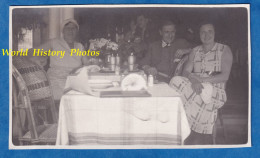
[
  {"x": 122, "y": 34},
  {"x": 145, "y": 77},
  {"x": 112, "y": 60},
  {"x": 117, "y": 59},
  {"x": 150, "y": 80},
  {"x": 131, "y": 59},
  {"x": 108, "y": 59}
]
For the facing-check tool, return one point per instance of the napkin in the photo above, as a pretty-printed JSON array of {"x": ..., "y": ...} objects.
[{"x": 78, "y": 81}]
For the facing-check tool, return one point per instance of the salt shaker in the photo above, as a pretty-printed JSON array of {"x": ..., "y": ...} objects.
[
  {"x": 150, "y": 80},
  {"x": 145, "y": 77},
  {"x": 117, "y": 70}
]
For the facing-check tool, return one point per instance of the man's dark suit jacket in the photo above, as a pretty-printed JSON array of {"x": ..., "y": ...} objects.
[{"x": 162, "y": 58}]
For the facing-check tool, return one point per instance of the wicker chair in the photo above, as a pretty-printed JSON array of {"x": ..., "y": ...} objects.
[
  {"x": 32, "y": 94},
  {"x": 180, "y": 66}
]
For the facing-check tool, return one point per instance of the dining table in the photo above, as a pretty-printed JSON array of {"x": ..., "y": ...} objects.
[{"x": 155, "y": 120}]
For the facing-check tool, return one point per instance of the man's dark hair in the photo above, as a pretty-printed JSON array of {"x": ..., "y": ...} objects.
[
  {"x": 166, "y": 23},
  {"x": 207, "y": 22}
]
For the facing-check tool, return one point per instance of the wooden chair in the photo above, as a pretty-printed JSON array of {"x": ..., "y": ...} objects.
[{"x": 33, "y": 96}]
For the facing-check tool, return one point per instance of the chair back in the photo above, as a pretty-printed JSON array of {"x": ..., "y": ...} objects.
[
  {"x": 21, "y": 101},
  {"x": 180, "y": 66},
  {"x": 37, "y": 84}
]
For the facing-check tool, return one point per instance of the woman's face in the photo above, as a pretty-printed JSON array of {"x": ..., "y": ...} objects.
[
  {"x": 70, "y": 31},
  {"x": 207, "y": 34}
]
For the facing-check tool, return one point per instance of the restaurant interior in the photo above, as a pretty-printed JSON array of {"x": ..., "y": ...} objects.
[{"x": 34, "y": 26}]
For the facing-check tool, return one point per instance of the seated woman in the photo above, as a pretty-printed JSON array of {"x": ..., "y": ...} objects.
[
  {"x": 60, "y": 68},
  {"x": 208, "y": 65}
]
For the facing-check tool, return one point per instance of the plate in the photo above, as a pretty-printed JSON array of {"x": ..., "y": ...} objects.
[
  {"x": 100, "y": 86},
  {"x": 99, "y": 81}
]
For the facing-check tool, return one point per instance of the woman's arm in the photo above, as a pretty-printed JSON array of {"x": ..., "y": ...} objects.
[
  {"x": 194, "y": 79},
  {"x": 189, "y": 65},
  {"x": 226, "y": 64}
]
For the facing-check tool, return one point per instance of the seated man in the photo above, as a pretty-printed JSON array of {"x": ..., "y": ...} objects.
[
  {"x": 161, "y": 55},
  {"x": 209, "y": 65}
]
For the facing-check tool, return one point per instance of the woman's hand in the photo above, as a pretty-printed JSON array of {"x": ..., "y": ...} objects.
[
  {"x": 197, "y": 87},
  {"x": 196, "y": 83}
]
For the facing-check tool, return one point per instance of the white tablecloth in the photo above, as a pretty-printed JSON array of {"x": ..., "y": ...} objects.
[{"x": 156, "y": 120}]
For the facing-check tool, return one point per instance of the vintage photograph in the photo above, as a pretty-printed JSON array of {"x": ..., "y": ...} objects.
[{"x": 130, "y": 76}]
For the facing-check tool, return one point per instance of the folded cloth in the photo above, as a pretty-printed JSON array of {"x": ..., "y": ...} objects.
[
  {"x": 206, "y": 93},
  {"x": 79, "y": 81}
]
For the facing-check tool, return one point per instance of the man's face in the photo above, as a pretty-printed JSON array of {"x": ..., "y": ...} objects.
[
  {"x": 70, "y": 32},
  {"x": 168, "y": 33},
  {"x": 207, "y": 34},
  {"x": 141, "y": 21}
]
